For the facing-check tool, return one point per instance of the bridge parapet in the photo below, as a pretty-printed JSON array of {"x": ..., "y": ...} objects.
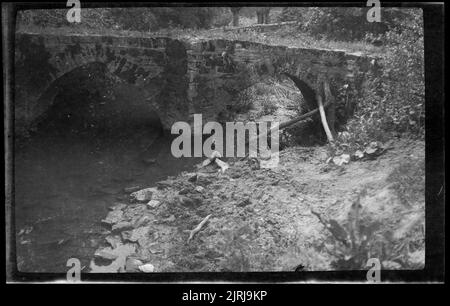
[{"x": 177, "y": 78}]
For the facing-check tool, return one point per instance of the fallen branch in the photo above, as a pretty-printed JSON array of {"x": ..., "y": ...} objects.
[
  {"x": 331, "y": 112},
  {"x": 323, "y": 118},
  {"x": 197, "y": 228},
  {"x": 299, "y": 118},
  {"x": 287, "y": 123}
]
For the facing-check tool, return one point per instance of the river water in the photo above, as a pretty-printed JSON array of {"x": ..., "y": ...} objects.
[{"x": 67, "y": 175}]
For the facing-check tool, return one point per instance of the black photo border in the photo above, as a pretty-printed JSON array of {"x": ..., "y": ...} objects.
[{"x": 435, "y": 165}]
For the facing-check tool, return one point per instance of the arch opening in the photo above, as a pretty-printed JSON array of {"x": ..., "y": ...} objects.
[{"x": 95, "y": 138}]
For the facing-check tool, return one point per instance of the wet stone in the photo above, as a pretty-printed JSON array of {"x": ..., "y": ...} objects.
[
  {"x": 113, "y": 217},
  {"x": 132, "y": 265},
  {"x": 143, "y": 195},
  {"x": 113, "y": 241},
  {"x": 106, "y": 253},
  {"x": 122, "y": 226}
]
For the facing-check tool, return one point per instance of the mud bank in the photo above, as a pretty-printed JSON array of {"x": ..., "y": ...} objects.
[{"x": 304, "y": 212}]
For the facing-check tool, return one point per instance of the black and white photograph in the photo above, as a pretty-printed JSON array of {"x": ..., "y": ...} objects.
[{"x": 148, "y": 140}]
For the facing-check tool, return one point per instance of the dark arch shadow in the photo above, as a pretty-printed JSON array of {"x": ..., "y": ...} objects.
[{"x": 89, "y": 99}]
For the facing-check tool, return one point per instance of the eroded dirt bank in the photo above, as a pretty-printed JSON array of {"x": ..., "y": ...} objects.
[{"x": 306, "y": 212}]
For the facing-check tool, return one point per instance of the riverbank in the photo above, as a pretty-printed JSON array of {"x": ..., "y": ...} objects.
[{"x": 306, "y": 212}]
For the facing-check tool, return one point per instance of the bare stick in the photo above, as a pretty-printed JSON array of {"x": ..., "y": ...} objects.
[
  {"x": 323, "y": 118},
  {"x": 198, "y": 228},
  {"x": 286, "y": 124},
  {"x": 331, "y": 112}
]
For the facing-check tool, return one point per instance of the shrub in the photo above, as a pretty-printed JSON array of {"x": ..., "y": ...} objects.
[{"x": 392, "y": 102}]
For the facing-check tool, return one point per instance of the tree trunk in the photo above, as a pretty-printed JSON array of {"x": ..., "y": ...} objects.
[
  {"x": 235, "y": 12},
  {"x": 266, "y": 16}
]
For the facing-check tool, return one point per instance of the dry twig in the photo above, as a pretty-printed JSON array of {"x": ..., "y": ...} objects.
[{"x": 197, "y": 228}]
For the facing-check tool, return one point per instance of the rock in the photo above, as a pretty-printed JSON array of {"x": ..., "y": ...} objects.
[
  {"x": 342, "y": 159},
  {"x": 143, "y": 195},
  {"x": 154, "y": 250},
  {"x": 113, "y": 241},
  {"x": 135, "y": 211},
  {"x": 113, "y": 217},
  {"x": 121, "y": 252},
  {"x": 140, "y": 235},
  {"x": 131, "y": 189},
  {"x": 153, "y": 203},
  {"x": 372, "y": 149},
  {"x": 358, "y": 154},
  {"x": 391, "y": 265},
  {"x": 122, "y": 226},
  {"x": 132, "y": 265},
  {"x": 199, "y": 189},
  {"x": 106, "y": 253},
  {"x": 126, "y": 235},
  {"x": 147, "y": 268},
  {"x": 169, "y": 219}
]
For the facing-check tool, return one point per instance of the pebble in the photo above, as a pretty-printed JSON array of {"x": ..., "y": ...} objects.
[
  {"x": 147, "y": 268},
  {"x": 143, "y": 195},
  {"x": 153, "y": 203},
  {"x": 199, "y": 189}
]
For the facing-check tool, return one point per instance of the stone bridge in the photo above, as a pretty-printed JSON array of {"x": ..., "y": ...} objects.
[{"x": 176, "y": 78}]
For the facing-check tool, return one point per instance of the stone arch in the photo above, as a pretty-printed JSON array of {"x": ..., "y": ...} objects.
[{"x": 42, "y": 60}]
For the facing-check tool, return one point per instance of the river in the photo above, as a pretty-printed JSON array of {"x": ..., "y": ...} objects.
[{"x": 70, "y": 171}]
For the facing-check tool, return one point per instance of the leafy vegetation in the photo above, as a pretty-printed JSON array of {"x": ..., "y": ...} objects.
[
  {"x": 392, "y": 103},
  {"x": 133, "y": 19}
]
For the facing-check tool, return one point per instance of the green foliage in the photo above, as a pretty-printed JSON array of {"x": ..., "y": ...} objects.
[
  {"x": 340, "y": 23},
  {"x": 134, "y": 19},
  {"x": 291, "y": 14},
  {"x": 392, "y": 102}
]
